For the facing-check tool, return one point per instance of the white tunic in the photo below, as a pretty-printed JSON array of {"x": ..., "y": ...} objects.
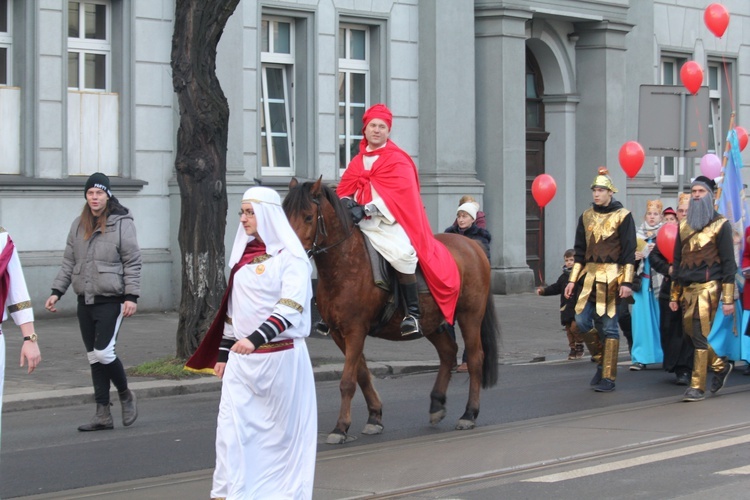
[
  {"x": 386, "y": 234},
  {"x": 266, "y": 436},
  {"x": 18, "y": 302}
]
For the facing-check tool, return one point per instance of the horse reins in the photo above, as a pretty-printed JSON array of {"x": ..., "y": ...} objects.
[{"x": 320, "y": 229}]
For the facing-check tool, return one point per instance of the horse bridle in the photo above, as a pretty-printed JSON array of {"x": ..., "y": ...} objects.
[{"x": 320, "y": 229}]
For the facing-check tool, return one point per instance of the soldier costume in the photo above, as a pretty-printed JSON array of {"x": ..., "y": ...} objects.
[
  {"x": 704, "y": 270},
  {"x": 605, "y": 258}
]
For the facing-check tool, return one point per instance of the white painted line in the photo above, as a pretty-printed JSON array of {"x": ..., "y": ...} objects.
[
  {"x": 634, "y": 462},
  {"x": 735, "y": 472}
]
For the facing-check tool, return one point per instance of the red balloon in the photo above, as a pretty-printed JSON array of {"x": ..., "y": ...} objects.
[
  {"x": 665, "y": 240},
  {"x": 716, "y": 17},
  {"x": 741, "y": 136},
  {"x": 543, "y": 189},
  {"x": 631, "y": 158},
  {"x": 691, "y": 75}
]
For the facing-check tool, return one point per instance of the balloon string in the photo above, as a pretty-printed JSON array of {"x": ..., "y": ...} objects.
[
  {"x": 729, "y": 82},
  {"x": 700, "y": 125},
  {"x": 541, "y": 246}
]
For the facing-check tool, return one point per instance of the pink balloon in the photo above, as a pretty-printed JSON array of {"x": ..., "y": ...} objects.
[{"x": 711, "y": 166}]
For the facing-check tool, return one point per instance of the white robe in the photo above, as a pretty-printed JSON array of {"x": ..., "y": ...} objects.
[
  {"x": 18, "y": 301},
  {"x": 266, "y": 436}
]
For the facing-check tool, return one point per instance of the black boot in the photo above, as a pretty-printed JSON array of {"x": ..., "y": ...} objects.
[
  {"x": 410, "y": 324},
  {"x": 102, "y": 420}
]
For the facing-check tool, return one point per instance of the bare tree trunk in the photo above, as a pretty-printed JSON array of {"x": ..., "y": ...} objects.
[{"x": 200, "y": 163}]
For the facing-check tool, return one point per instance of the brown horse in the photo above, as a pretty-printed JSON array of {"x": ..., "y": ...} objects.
[{"x": 350, "y": 303}]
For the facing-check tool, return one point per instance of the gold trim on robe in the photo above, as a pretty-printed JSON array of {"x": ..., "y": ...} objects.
[{"x": 290, "y": 303}]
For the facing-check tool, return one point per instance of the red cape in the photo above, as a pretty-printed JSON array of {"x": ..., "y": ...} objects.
[
  {"x": 394, "y": 176},
  {"x": 5, "y": 256}
]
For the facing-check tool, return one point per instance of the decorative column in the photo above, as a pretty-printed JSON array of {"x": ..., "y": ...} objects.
[
  {"x": 601, "y": 118},
  {"x": 500, "y": 39},
  {"x": 447, "y": 154}
]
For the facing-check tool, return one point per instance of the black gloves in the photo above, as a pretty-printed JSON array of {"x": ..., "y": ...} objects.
[{"x": 357, "y": 211}]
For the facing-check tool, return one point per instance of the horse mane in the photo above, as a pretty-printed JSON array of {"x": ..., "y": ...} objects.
[{"x": 299, "y": 200}]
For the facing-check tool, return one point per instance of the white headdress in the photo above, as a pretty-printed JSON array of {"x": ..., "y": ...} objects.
[{"x": 273, "y": 227}]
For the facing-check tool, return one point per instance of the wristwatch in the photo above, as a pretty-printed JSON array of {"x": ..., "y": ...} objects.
[{"x": 30, "y": 338}]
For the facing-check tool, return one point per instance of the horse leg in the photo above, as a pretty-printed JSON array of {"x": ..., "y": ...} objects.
[
  {"x": 374, "y": 423},
  {"x": 446, "y": 348},
  {"x": 347, "y": 386},
  {"x": 470, "y": 329}
]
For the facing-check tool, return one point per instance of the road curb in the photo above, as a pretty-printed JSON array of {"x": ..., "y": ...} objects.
[{"x": 154, "y": 388}]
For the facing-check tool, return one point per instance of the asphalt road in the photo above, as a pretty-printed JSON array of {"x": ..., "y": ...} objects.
[{"x": 42, "y": 452}]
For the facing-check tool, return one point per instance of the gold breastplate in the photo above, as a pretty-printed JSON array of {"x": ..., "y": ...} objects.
[
  {"x": 600, "y": 228},
  {"x": 699, "y": 247}
]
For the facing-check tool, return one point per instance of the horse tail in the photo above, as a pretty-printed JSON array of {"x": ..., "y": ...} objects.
[{"x": 490, "y": 333}]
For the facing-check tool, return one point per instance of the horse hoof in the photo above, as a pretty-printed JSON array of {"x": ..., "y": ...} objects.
[
  {"x": 336, "y": 438},
  {"x": 465, "y": 425},
  {"x": 372, "y": 429},
  {"x": 437, "y": 417}
]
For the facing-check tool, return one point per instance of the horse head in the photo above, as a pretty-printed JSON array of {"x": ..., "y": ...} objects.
[{"x": 316, "y": 215}]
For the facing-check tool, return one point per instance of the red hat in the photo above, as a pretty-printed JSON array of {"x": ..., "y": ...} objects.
[{"x": 377, "y": 111}]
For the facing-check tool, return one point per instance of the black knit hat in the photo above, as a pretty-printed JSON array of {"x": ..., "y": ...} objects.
[
  {"x": 98, "y": 180},
  {"x": 704, "y": 181}
]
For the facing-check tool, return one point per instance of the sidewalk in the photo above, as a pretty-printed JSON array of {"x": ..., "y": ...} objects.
[{"x": 530, "y": 325}]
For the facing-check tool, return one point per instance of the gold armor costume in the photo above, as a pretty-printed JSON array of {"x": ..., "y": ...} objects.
[
  {"x": 605, "y": 247},
  {"x": 603, "y": 273},
  {"x": 704, "y": 268}
]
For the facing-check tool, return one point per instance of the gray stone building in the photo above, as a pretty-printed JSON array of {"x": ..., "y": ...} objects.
[{"x": 85, "y": 86}]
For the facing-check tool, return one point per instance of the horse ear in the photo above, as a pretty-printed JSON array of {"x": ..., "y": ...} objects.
[
  {"x": 293, "y": 183},
  {"x": 315, "y": 190}
]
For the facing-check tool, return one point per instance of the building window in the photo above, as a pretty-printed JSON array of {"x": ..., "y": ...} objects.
[
  {"x": 354, "y": 84},
  {"x": 93, "y": 111},
  {"x": 277, "y": 107},
  {"x": 6, "y": 42},
  {"x": 10, "y": 98},
  {"x": 670, "y": 75},
  {"x": 719, "y": 83},
  {"x": 89, "y": 45}
]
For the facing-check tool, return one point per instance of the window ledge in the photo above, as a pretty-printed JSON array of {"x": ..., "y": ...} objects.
[{"x": 23, "y": 183}]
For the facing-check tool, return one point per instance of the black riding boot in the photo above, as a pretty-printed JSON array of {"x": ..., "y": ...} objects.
[{"x": 410, "y": 324}]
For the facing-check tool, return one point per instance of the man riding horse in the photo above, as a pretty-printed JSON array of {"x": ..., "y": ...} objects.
[{"x": 381, "y": 188}]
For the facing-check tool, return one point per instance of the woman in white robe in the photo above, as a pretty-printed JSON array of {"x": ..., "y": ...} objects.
[{"x": 266, "y": 436}]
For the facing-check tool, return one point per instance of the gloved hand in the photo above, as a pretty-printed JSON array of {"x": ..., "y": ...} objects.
[
  {"x": 371, "y": 210},
  {"x": 357, "y": 211}
]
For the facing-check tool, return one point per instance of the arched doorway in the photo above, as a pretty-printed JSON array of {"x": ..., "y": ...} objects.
[{"x": 535, "y": 139}]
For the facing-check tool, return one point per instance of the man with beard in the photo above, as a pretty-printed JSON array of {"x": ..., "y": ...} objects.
[
  {"x": 605, "y": 250},
  {"x": 703, "y": 270}
]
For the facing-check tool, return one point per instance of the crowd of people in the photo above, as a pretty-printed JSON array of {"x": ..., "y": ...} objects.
[{"x": 616, "y": 277}]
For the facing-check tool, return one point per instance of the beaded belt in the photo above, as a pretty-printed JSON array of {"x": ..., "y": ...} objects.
[{"x": 269, "y": 347}]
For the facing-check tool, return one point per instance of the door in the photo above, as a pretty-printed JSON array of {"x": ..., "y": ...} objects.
[{"x": 535, "y": 140}]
